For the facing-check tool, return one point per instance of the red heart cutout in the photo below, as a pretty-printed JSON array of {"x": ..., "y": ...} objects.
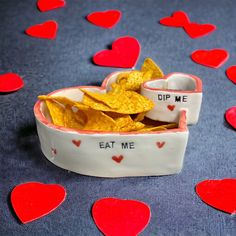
[
  {"x": 195, "y": 30},
  {"x": 124, "y": 53},
  {"x": 76, "y": 142},
  {"x": 231, "y": 73},
  {"x": 47, "y": 30},
  {"x": 116, "y": 217},
  {"x": 10, "y": 82},
  {"x": 171, "y": 107},
  {"x": 47, "y": 5},
  {"x": 178, "y": 19},
  {"x": 212, "y": 58},
  {"x": 230, "y": 116},
  {"x": 118, "y": 159},
  {"x": 105, "y": 19},
  {"x": 220, "y": 194},
  {"x": 33, "y": 200},
  {"x": 160, "y": 144}
]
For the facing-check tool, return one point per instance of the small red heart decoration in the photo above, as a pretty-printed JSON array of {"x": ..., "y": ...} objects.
[
  {"x": 231, "y": 73},
  {"x": 47, "y": 30},
  {"x": 230, "y": 116},
  {"x": 34, "y": 200},
  {"x": 171, "y": 107},
  {"x": 10, "y": 82},
  {"x": 124, "y": 53},
  {"x": 76, "y": 142},
  {"x": 212, "y": 58},
  {"x": 160, "y": 144},
  {"x": 47, "y": 5},
  {"x": 118, "y": 159},
  {"x": 118, "y": 217},
  {"x": 178, "y": 19},
  {"x": 220, "y": 194},
  {"x": 105, "y": 19},
  {"x": 195, "y": 30}
]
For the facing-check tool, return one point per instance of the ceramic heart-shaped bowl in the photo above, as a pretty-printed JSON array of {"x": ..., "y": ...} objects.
[
  {"x": 111, "y": 154},
  {"x": 173, "y": 93}
]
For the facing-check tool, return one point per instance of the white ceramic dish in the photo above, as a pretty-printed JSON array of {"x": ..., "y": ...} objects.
[{"x": 111, "y": 154}]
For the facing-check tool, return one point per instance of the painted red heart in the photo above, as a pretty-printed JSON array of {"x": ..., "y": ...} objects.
[
  {"x": 230, "y": 116},
  {"x": 178, "y": 19},
  {"x": 10, "y": 82},
  {"x": 160, "y": 144},
  {"x": 212, "y": 58},
  {"x": 220, "y": 194},
  {"x": 195, "y": 30},
  {"x": 105, "y": 19},
  {"x": 124, "y": 53},
  {"x": 34, "y": 200},
  {"x": 118, "y": 159},
  {"x": 116, "y": 217},
  {"x": 231, "y": 73},
  {"x": 171, "y": 107},
  {"x": 47, "y": 5},
  {"x": 76, "y": 142},
  {"x": 47, "y": 30}
]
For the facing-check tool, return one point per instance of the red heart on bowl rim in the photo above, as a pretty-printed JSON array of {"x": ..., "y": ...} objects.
[
  {"x": 116, "y": 217},
  {"x": 47, "y": 5},
  {"x": 231, "y": 73},
  {"x": 106, "y": 19},
  {"x": 178, "y": 19},
  {"x": 230, "y": 116},
  {"x": 220, "y": 194},
  {"x": 195, "y": 30},
  {"x": 10, "y": 82},
  {"x": 124, "y": 53},
  {"x": 34, "y": 200},
  {"x": 212, "y": 58},
  {"x": 46, "y": 30}
]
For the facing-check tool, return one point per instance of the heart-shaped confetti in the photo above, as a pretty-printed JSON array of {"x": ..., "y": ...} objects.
[
  {"x": 106, "y": 19},
  {"x": 230, "y": 116},
  {"x": 178, "y": 19},
  {"x": 10, "y": 82},
  {"x": 220, "y": 194},
  {"x": 231, "y": 73},
  {"x": 195, "y": 30},
  {"x": 47, "y": 5},
  {"x": 34, "y": 200},
  {"x": 116, "y": 217},
  {"x": 212, "y": 58},
  {"x": 124, "y": 53},
  {"x": 47, "y": 30}
]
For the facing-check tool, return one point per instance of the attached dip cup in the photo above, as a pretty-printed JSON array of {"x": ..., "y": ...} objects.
[{"x": 111, "y": 154}]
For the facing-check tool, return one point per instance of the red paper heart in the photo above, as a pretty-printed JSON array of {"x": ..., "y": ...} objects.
[
  {"x": 124, "y": 53},
  {"x": 171, "y": 107},
  {"x": 118, "y": 217},
  {"x": 118, "y": 159},
  {"x": 33, "y": 200},
  {"x": 220, "y": 194},
  {"x": 76, "y": 142},
  {"x": 231, "y": 73},
  {"x": 230, "y": 116},
  {"x": 212, "y": 58},
  {"x": 178, "y": 19},
  {"x": 47, "y": 30},
  {"x": 195, "y": 30},
  {"x": 47, "y": 5},
  {"x": 105, "y": 19},
  {"x": 10, "y": 82},
  {"x": 160, "y": 144}
]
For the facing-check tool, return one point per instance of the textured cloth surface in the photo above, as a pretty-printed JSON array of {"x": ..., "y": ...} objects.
[{"x": 49, "y": 65}]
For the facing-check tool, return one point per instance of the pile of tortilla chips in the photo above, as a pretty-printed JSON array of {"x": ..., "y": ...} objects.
[{"x": 122, "y": 109}]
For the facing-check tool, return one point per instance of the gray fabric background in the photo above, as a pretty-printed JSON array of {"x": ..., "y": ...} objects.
[{"x": 49, "y": 65}]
